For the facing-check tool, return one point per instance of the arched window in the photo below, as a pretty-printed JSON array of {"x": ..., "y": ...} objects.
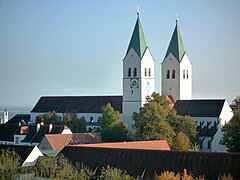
[
  {"x": 149, "y": 72},
  {"x": 145, "y": 72},
  {"x": 129, "y": 72},
  {"x": 184, "y": 74},
  {"x": 135, "y": 72},
  {"x": 173, "y": 74},
  {"x": 187, "y": 74},
  {"x": 91, "y": 119},
  {"x": 168, "y": 74}
]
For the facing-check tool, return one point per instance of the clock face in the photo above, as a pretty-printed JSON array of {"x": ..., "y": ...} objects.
[{"x": 134, "y": 83}]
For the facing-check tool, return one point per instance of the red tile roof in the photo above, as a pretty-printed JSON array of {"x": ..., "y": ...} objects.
[
  {"x": 58, "y": 141},
  {"x": 151, "y": 145}
]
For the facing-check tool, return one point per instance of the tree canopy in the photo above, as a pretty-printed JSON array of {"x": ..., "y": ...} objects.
[
  {"x": 157, "y": 120},
  {"x": 9, "y": 164},
  {"x": 71, "y": 120},
  {"x": 112, "y": 128},
  {"x": 231, "y": 133}
]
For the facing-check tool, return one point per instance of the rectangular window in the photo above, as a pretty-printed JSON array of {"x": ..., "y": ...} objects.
[{"x": 17, "y": 140}]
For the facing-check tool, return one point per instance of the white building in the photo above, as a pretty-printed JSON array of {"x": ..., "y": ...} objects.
[{"x": 210, "y": 116}]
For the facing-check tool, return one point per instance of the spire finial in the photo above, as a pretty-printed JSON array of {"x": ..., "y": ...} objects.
[
  {"x": 176, "y": 18},
  {"x": 138, "y": 11}
]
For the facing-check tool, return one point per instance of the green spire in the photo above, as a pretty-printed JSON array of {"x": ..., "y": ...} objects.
[
  {"x": 137, "y": 41},
  {"x": 176, "y": 44}
]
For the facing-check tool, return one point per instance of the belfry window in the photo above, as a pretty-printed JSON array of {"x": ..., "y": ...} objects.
[
  {"x": 187, "y": 74},
  {"x": 184, "y": 74},
  {"x": 149, "y": 72},
  {"x": 129, "y": 72},
  {"x": 168, "y": 74},
  {"x": 135, "y": 72},
  {"x": 173, "y": 74},
  {"x": 145, "y": 72}
]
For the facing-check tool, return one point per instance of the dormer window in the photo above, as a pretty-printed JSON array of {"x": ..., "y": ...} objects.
[
  {"x": 173, "y": 74},
  {"x": 149, "y": 72},
  {"x": 168, "y": 74},
  {"x": 184, "y": 74},
  {"x": 187, "y": 74},
  {"x": 135, "y": 72},
  {"x": 129, "y": 72}
]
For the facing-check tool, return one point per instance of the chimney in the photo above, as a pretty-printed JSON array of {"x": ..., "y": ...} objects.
[
  {"x": 50, "y": 127},
  {"x": 38, "y": 127}
]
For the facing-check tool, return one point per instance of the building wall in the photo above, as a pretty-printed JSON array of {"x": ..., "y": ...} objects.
[
  {"x": 88, "y": 116},
  {"x": 18, "y": 138},
  {"x": 185, "y": 78},
  {"x": 45, "y": 145},
  {"x": 32, "y": 158},
  {"x": 135, "y": 96},
  {"x": 171, "y": 86}
]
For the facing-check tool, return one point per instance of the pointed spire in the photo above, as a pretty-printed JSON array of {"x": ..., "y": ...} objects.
[
  {"x": 176, "y": 44},
  {"x": 137, "y": 41}
]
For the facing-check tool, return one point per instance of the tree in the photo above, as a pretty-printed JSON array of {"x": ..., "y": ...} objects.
[
  {"x": 181, "y": 142},
  {"x": 151, "y": 121},
  {"x": 9, "y": 164},
  {"x": 183, "y": 124},
  {"x": 75, "y": 124},
  {"x": 49, "y": 118},
  {"x": 112, "y": 128},
  {"x": 231, "y": 133},
  {"x": 111, "y": 173},
  {"x": 60, "y": 168},
  {"x": 236, "y": 103},
  {"x": 109, "y": 117},
  {"x": 118, "y": 133},
  {"x": 157, "y": 120}
]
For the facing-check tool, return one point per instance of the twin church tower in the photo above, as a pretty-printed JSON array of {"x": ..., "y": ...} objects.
[{"x": 138, "y": 72}]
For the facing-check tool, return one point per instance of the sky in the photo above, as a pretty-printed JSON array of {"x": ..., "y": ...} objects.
[{"x": 75, "y": 48}]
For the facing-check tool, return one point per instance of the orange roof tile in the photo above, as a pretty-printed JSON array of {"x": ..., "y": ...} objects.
[
  {"x": 58, "y": 141},
  {"x": 151, "y": 145}
]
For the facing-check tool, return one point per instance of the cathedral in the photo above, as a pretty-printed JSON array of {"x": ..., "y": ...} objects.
[{"x": 139, "y": 82}]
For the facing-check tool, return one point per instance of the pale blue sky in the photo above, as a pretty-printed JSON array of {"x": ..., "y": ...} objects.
[{"x": 61, "y": 47}]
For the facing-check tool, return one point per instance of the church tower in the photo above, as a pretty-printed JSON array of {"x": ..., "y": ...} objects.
[
  {"x": 177, "y": 69},
  {"x": 138, "y": 74}
]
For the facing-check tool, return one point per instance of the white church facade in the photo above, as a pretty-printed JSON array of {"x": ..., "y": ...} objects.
[{"x": 139, "y": 82}]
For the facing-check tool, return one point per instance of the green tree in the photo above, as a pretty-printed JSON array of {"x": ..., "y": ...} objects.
[
  {"x": 112, "y": 128},
  {"x": 158, "y": 120},
  {"x": 49, "y": 118},
  {"x": 9, "y": 164},
  {"x": 111, "y": 173},
  {"x": 151, "y": 121},
  {"x": 118, "y": 133},
  {"x": 183, "y": 124},
  {"x": 181, "y": 142},
  {"x": 231, "y": 133},
  {"x": 109, "y": 117},
  {"x": 60, "y": 168},
  {"x": 75, "y": 124}
]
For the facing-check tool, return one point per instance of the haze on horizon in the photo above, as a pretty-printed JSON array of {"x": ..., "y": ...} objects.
[{"x": 50, "y": 48}]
